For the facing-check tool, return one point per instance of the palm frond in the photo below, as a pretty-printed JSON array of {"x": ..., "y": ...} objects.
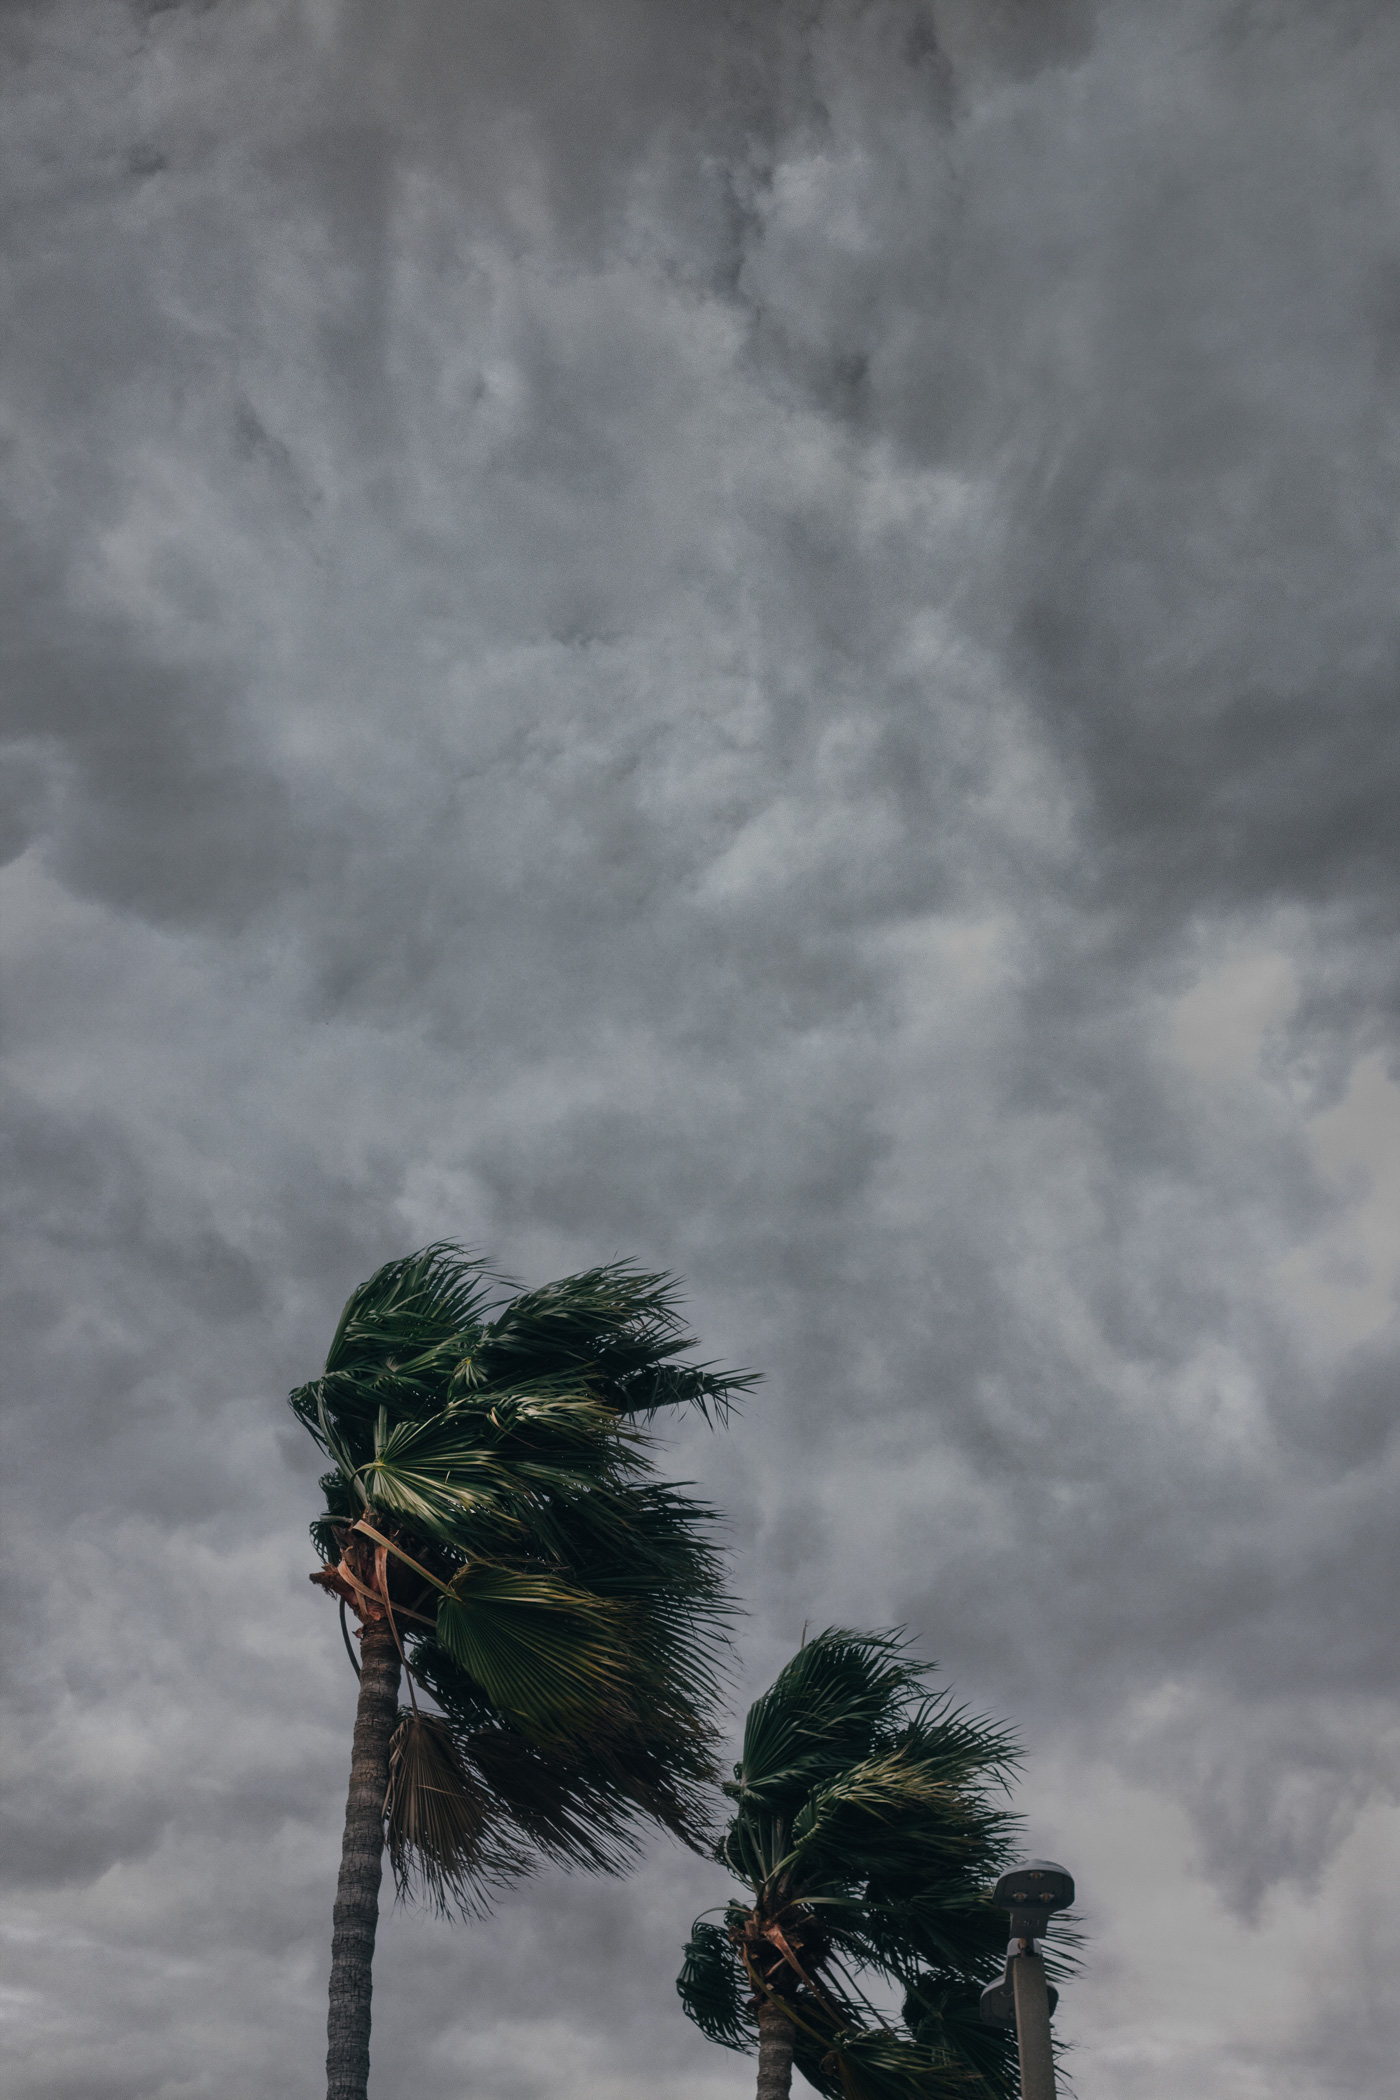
[
  {"x": 579, "y": 1803},
  {"x": 647, "y": 1550},
  {"x": 440, "y": 1290},
  {"x": 554, "y": 1658},
  {"x": 827, "y": 1707},
  {"x": 428, "y": 1329},
  {"x": 587, "y": 1803},
  {"x": 948, "y": 1925},
  {"x": 623, "y": 1325},
  {"x": 713, "y": 1988},
  {"x": 642, "y": 1391},
  {"x": 896, "y": 1816},
  {"x": 880, "y": 2063},
  {"x": 945, "y": 2014},
  {"x": 962, "y": 1748},
  {"x": 438, "y": 1822},
  {"x": 942, "y": 2008},
  {"x": 437, "y": 1298},
  {"x": 449, "y": 1474}
]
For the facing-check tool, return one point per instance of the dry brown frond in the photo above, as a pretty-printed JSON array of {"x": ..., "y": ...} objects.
[{"x": 437, "y": 1818}]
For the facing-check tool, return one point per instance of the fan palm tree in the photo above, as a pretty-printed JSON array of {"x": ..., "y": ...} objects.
[
  {"x": 867, "y": 1826},
  {"x": 493, "y": 1522}
]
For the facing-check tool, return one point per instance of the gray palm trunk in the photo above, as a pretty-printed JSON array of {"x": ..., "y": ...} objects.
[
  {"x": 775, "y": 2039},
  {"x": 361, "y": 1866}
]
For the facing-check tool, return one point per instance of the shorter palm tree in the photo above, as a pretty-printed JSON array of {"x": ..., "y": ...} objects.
[{"x": 868, "y": 1825}]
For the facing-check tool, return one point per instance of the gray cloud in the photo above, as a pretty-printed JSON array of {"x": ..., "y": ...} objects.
[{"x": 762, "y": 638}]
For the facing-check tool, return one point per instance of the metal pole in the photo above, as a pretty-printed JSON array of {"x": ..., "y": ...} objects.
[{"x": 1033, "y": 2024}]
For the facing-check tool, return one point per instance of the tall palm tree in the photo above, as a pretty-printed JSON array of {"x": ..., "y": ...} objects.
[
  {"x": 494, "y": 1524},
  {"x": 867, "y": 1826}
]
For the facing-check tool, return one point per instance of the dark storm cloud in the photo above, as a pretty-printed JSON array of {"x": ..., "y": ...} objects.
[{"x": 760, "y": 637}]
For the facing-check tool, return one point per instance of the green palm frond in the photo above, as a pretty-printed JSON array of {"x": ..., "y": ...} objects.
[
  {"x": 578, "y": 1802},
  {"x": 870, "y": 1796},
  {"x": 567, "y": 1322},
  {"x": 557, "y": 1800},
  {"x": 552, "y": 1657},
  {"x": 892, "y": 1816},
  {"x": 878, "y": 2063},
  {"x": 588, "y": 1803},
  {"x": 621, "y": 1325},
  {"x": 439, "y": 1295},
  {"x": 448, "y": 1474},
  {"x": 944, "y": 2013},
  {"x": 950, "y": 1926},
  {"x": 712, "y": 1987},
  {"x": 436, "y": 1327},
  {"x": 963, "y": 1748},
  {"x": 826, "y": 1708}
]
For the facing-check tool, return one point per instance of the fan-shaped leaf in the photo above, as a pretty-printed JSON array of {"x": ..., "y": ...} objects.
[{"x": 553, "y": 1657}]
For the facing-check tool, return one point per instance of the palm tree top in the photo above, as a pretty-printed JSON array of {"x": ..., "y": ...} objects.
[
  {"x": 868, "y": 1824},
  {"x": 492, "y": 1498},
  {"x": 429, "y": 1330},
  {"x": 843, "y": 1696}
]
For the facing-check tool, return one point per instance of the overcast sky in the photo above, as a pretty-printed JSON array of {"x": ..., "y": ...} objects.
[{"x": 760, "y": 635}]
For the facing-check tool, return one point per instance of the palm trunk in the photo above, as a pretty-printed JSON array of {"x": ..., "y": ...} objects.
[
  {"x": 361, "y": 1865},
  {"x": 775, "y": 2038}
]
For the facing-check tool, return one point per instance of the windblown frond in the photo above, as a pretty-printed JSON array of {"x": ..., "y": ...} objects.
[
  {"x": 553, "y": 1658},
  {"x": 439, "y": 1818},
  {"x": 828, "y": 1706},
  {"x": 876, "y": 2063},
  {"x": 712, "y": 1987},
  {"x": 581, "y": 1801},
  {"x": 944, "y": 2013},
  {"x": 897, "y": 1816},
  {"x": 436, "y": 1326},
  {"x": 624, "y": 1324}
]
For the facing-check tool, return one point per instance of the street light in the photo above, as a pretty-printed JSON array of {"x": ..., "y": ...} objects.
[{"x": 1032, "y": 1892}]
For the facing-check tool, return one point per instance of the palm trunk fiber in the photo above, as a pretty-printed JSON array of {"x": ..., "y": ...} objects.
[
  {"x": 775, "y": 2038},
  {"x": 361, "y": 1865}
]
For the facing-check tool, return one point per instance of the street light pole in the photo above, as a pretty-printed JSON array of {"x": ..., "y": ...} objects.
[
  {"x": 1032, "y": 1893},
  {"x": 1033, "y": 2024}
]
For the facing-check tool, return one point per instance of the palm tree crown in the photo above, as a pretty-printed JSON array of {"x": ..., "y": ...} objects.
[
  {"x": 563, "y": 1608},
  {"x": 867, "y": 1825},
  {"x": 493, "y": 1521}
]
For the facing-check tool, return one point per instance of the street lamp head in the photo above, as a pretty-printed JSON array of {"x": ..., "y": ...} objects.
[{"x": 1033, "y": 1892}]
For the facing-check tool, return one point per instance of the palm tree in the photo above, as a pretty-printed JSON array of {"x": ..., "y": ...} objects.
[
  {"x": 493, "y": 1522},
  {"x": 866, "y": 1829}
]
